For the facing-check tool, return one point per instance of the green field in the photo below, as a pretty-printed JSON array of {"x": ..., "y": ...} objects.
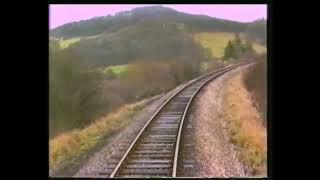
[
  {"x": 65, "y": 43},
  {"x": 117, "y": 70},
  {"x": 217, "y": 41}
]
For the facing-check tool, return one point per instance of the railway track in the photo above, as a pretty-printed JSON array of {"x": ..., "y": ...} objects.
[{"x": 154, "y": 151}]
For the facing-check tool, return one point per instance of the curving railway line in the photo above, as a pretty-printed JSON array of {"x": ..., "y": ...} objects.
[{"x": 154, "y": 152}]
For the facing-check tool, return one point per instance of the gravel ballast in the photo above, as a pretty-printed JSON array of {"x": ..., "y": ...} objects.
[{"x": 212, "y": 153}]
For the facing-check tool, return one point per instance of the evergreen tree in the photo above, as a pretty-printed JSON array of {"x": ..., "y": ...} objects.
[
  {"x": 248, "y": 46},
  {"x": 238, "y": 46},
  {"x": 229, "y": 51},
  {"x": 237, "y": 41}
]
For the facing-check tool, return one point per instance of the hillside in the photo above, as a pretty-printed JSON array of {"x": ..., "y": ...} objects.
[
  {"x": 136, "y": 43},
  {"x": 145, "y": 15},
  {"x": 130, "y": 35}
]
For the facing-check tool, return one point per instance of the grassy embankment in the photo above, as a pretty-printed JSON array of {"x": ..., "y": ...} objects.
[
  {"x": 77, "y": 142},
  {"x": 245, "y": 126}
]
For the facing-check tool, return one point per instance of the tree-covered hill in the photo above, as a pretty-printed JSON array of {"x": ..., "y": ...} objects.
[{"x": 143, "y": 15}]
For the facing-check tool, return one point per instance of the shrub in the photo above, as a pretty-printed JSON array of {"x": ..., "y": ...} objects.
[{"x": 255, "y": 81}]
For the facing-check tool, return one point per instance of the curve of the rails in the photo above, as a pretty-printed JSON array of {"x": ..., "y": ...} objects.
[
  {"x": 198, "y": 84},
  {"x": 177, "y": 146}
]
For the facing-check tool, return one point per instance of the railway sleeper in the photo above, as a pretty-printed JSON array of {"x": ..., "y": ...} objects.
[
  {"x": 158, "y": 132},
  {"x": 180, "y": 102},
  {"x": 152, "y": 165},
  {"x": 155, "y": 144},
  {"x": 153, "y": 156},
  {"x": 168, "y": 118},
  {"x": 171, "y": 117},
  {"x": 184, "y": 102},
  {"x": 181, "y": 109},
  {"x": 172, "y": 106},
  {"x": 152, "y": 148},
  {"x": 146, "y": 172},
  {"x": 149, "y": 166},
  {"x": 178, "y": 105},
  {"x": 166, "y": 125},
  {"x": 167, "y": 128},
  {"x": 171, "y": 113},
  {"x": 158, "y": 149},
  {"x": 181, "y": 99},
  {"x": 160, "y": 138},
  {"x": 158, "y": 141},
  {"x": 166, "y": 112},
  {"x": 150, "y": 161},
  {"x": 163, "y": 131},
  {"x": 175, "y": 106},
  {"x": 167, "y": 122},
  {"x": 164, "y": 135},
  {"x": 186, "y": 95},
  {"x": 153, "y": 152},
  {"x": 155, "y": 149}
]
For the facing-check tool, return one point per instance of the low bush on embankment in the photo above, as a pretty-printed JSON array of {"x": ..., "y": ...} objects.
[
  {"x": 255, "y": 80},
  {"x": 77, "y": 142}
]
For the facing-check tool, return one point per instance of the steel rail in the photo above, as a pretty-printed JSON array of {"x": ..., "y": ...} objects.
[
  {"x": 161, "y": 108},
  {"x": 175, "y": 163}
]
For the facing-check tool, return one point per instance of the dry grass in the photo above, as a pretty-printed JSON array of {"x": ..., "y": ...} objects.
[
  {"x": 245, "y": 126},
  {"x": 72, "y": 144}
]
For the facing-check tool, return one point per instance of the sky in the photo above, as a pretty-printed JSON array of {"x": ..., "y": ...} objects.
[{"x": 62, "y": 14}]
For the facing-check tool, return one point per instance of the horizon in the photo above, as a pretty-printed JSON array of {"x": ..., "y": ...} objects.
[{"x": 64, "y": 14}]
